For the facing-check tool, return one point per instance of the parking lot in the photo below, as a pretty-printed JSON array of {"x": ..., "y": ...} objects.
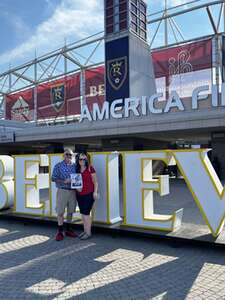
[{"x": 35, "y": 266}]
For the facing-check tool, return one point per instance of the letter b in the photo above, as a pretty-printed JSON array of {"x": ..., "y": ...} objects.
[{"x": 6, "y": 181}]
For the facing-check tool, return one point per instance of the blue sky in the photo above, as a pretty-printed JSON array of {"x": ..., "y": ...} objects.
[{"x": 44, "y": 25}]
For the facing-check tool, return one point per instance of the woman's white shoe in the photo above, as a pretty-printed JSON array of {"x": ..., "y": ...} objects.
[
  {"x": 85, "y": 236},
  {"x": 81, "y": 234}
]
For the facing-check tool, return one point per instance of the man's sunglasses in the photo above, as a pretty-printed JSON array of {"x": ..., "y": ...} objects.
[{"x": 68, "y": 154}]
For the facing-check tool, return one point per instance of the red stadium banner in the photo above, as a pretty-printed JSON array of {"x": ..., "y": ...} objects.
[
  {"x": 20, "y": 106},
  {"x": 59, "y": 98},
  {"x": 183, "y": 68},
  {"x": 94, "y": 86},
  {"x": 183, "y": 59},
  {"x": 179, "y": 68}
]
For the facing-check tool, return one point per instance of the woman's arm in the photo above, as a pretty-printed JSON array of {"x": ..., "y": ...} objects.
[{"x": 95, "y": 182}]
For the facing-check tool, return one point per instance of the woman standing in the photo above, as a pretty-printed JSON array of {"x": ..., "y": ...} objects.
[{"x": 88, "y": 194}]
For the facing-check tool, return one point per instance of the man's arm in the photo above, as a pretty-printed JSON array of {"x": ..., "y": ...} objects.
[
  {"x": 56, "y": 175},
  {"x": 59, "y": 181}
]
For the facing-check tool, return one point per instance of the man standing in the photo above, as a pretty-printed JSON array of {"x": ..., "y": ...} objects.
[{"x": 66, "y": 197}]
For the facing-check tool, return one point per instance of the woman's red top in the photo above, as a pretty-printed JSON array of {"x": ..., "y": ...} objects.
[{"x": 88, "y": 185}]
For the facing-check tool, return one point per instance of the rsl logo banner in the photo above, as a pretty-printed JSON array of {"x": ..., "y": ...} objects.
[
  {"x": 117, "y": 72},
  {"x": 117, "y": 69},
  {"x": 58, "y": 96}
]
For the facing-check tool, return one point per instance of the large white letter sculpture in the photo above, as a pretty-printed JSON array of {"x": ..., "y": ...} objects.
[
  {"x": 6, "y": 181},
  {"x": 204, "y": 185},
  {"x": 28, "y": 183},
  {"x": 107, "y": 208},
  {"x": 25, "y": 183},
  {"x": 138, "y": 188}
]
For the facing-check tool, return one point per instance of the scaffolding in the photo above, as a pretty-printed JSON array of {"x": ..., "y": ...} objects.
[{"x": 89, "y": 53}]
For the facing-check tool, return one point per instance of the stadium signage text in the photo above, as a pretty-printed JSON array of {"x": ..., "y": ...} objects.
[
  {"x": 143, "y": 106},
  {"x": 31, "y": 192}
]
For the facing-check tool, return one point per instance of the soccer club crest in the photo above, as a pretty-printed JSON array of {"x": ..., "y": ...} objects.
[
  {"x": 117, "y": 72},
  {"x": 58, "y": 96}
]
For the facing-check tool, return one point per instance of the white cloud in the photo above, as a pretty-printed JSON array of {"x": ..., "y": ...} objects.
[
  {"x": 72, "y": 19},
  {"x": 177, "y": 2},
  {"x": 171, "y": 3}
]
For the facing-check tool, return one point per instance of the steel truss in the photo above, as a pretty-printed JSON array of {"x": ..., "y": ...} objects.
[
  {"x": 168, "y": 15},
  {"x": 53, "y": 65},
  {"x": 89, "y": 52}
]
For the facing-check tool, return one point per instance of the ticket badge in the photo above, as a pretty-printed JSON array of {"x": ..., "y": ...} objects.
[{"x": 76, "y": 181}]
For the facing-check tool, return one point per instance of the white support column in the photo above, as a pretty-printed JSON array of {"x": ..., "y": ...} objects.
[
  {"x": 166, "y": 24},
  {"x": 82, "y": 89},
  {"x": 35, "y": 90}
]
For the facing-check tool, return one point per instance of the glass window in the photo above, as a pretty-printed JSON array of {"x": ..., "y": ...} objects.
[
  {"x": 123, "y": 6},
  {"x": 133, "y": 18},
  {"x": 143, "y": 17},
  {"x": 109, "y": 12},
  {"x": 116, "y": 28},
  {"x": 134, "y": 1},
  {"x": 143, "y": 34},
  {"x": 142, "y": 8},
  {"x": 123, "y": 25},
  {"x": 134, "y": 27},
  {"x": 116, "y": 10},
  {"x": 109, "y": 21},
  {"x": 116, "y": 19},
  {"x": 109, "y": 3},
  {"x": 123, "y": 16},
  {"x": 116, "y": 2},
  {"x": 133, "y": 9},
  {"x": 109, "y": 29},
  {"x": 143, "y": 25}
]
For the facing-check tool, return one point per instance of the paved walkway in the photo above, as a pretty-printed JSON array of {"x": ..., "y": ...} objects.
[{"x": 34, "y": 266}]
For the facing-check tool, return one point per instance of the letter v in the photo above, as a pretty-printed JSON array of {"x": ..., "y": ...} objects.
[{"x": 204, "y": 185}]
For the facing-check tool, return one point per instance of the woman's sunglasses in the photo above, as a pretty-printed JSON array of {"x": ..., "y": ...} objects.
[{"x": 82, "y": 158}]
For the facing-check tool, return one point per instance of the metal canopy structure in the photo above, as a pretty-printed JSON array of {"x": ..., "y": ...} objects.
[
  {"x": 63, "y": 61},
  {"x": 89, "y": 52},
  {"x": 168, "y": 17}
]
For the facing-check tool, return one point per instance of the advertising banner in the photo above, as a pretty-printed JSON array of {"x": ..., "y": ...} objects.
[
  {"x": 59, "y": 97},
  {"x": 180, "y": 69},
  {"x": 94, "y": 86},
  {"x": 117, "y": 69},
  {"x": 183, "y": 68},
  {"x": 183, "y": 59},
  {"x": 20, "y": 106}
]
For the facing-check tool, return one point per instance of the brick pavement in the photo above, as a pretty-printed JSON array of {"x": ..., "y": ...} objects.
[{"x": 34, "y": 266}]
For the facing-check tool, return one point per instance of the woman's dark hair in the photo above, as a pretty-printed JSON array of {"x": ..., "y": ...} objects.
[{"x": 77, "y": 157}]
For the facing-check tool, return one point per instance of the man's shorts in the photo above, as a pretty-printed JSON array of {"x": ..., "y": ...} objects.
[{"x": 65, "y": 199}]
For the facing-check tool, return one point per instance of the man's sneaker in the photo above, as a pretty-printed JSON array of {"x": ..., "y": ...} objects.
[
  {"x": 70, "y": 233},
  {"x": 59, "y": 236},
  {"x": 85, "y": 236}
]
